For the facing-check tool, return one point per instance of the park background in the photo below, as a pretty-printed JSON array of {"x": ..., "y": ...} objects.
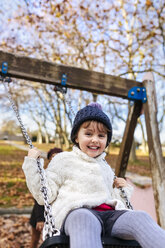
[{"x": 120, "y": 38}]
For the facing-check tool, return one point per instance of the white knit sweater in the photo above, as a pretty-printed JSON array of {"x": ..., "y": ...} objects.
[{"x": 75, "y": 180}]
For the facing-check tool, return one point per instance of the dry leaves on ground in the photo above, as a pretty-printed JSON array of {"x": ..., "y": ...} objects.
[{"x": 15, "y": 231}]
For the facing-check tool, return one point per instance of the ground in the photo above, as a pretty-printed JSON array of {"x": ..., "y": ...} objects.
[{"x": 15, "y": 232}]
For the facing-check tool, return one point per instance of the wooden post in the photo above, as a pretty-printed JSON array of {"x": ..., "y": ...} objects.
[
  {"x": 155, "y": 151},
  {"x": 122, "y": 161}
]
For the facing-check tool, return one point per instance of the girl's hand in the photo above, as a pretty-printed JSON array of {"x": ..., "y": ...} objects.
[
  {"x": 34, "y": 153},
  {"x": 120, "y": 182},
  {"x": 40, "y": 226}
]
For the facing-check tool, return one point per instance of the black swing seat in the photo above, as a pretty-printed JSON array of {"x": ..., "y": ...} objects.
[{"x": 62, "y": 241}]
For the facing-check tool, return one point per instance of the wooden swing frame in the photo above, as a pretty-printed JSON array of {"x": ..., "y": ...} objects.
[{"x": 50, "y": 73}]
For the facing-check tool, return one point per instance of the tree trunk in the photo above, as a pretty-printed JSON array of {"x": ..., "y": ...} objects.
[
  {"x": 132, "y": 156},
  {"x": 46, "y": 138},
  {"x": 39, "y": 137},
  {"x": 66, "y": 142},
  {"x": 144, "y": 143}
]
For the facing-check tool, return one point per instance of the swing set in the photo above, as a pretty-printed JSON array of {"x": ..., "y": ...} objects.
[{"x": 138, "y": 94}]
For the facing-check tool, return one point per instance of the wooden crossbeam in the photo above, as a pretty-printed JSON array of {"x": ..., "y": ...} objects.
[{"x": 50, "y": 73}]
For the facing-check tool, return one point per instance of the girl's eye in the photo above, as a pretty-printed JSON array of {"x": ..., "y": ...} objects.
[
  {"x": 102, "y": 135},
  {"x": 88, "y": 134}
]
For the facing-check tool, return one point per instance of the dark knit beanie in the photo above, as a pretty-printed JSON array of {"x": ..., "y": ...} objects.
[{"x": 93, "y": 112}]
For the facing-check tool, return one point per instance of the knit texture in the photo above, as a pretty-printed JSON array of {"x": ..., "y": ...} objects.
[
  {"x": 91, "y": 112},
  {"x": 140, "y": 226},
  {"x": 84, "y": 229}
]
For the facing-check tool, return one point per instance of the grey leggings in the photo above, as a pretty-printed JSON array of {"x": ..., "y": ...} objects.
[{"x": 85, "y": 229}]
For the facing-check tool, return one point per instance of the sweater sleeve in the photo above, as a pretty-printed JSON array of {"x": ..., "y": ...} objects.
[{"x": 52, "y": 177}]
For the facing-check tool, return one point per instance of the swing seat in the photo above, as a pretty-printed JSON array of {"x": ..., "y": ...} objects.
[{"x": 62, "y": 241}]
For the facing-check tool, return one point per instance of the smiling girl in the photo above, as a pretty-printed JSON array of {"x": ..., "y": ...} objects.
[{"x": 85, "y": 197}]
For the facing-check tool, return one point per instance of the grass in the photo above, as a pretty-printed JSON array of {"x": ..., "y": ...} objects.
[
  {"x": 8, "y": 200},
  {"x": 13, "y": 164},
  {"x": 13, "y": 189},
  {"x": 11, "y": 181},
  {"x": 7, "y": 150}
]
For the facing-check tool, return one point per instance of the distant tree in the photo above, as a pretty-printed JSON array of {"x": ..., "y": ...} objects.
[{"x": 10, "y": 127}]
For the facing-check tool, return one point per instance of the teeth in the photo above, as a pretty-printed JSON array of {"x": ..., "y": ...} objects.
[{"x": 94, "y": 148}]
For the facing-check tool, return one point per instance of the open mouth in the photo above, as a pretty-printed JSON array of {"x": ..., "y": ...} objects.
[{"x": 93, "y": 147}]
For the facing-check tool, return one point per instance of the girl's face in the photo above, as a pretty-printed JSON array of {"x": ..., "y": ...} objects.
[{"x": 92, "y": 138}]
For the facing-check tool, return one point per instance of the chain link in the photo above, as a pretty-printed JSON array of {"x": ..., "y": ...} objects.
[
  {"x": 50, "y": 229},
  {"x": 122, "y": 192},
  {"x": 63, "y": 91},
  {"x": 69, "y": 104},
  {"x": 28, "y": 140},
  {"x": 124, "y": 196}
]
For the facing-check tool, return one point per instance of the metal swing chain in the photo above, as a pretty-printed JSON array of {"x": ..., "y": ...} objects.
[
  {"x": 124, "y": 196},
  {"x": 28, "y": 140},
  {"x": 49, "y": 221},
  {"x": 63, "y": 91},
  {"x": 69, "y": 104}
]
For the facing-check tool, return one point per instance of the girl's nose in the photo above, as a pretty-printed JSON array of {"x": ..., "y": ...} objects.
[{"x": 94, "y": 139}]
